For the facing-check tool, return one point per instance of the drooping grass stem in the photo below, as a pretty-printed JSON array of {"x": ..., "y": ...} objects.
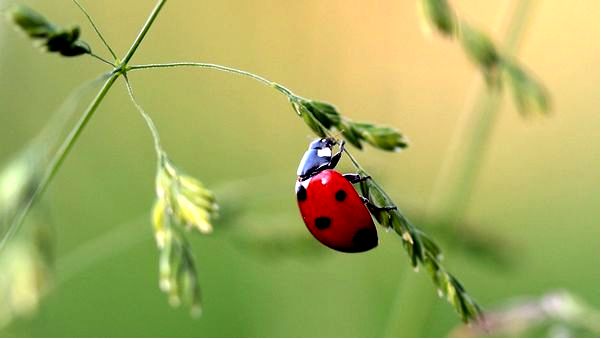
[{"x": 151, "y": 126}]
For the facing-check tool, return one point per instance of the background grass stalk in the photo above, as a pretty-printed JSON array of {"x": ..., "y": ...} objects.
[
  {"x": 455, "y": 181},
  {"x": 467, "y": 149}
]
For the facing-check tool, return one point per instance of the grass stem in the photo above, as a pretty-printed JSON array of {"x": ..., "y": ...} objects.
[
  {"x": 95, "y": 27},
  {"x": 101, "y": 59},
  {"x": 134, "y": 47}
]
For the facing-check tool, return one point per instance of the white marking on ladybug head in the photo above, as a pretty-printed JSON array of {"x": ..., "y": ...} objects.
[{"x": 324, "y": 152}]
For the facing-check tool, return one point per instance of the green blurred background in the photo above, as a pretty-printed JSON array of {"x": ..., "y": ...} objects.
[{"x": 261, "y": 272}]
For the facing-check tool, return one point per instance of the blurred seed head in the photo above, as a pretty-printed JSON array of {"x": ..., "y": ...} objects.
[
  {"x": 529, "y": 95},
  {"x": 30, "y": 22},
  {"x": 177, "y": 272},
  {"x": 438, "y": 14},
  {"x": 56, "y": 39},
  {"x": 479, "y": 48}
]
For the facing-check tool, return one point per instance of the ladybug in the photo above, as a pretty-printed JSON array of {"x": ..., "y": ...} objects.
[{"x": 331, "y": 208}]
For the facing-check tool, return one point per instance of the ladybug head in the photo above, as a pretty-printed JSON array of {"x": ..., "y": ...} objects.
[
  {"x": 316, "y": 158},
  {"x": 323, "y": 143}
]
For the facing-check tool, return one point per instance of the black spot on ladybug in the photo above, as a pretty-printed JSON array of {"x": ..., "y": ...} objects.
[
  {"x": 340, "y": 195},
  {"x": 301, "y": 193},
  {"x": 322, "y": 222},
  {"x": 365, "y": 239}
]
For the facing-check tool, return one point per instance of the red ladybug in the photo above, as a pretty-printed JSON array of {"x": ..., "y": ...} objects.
[{"x": 331, "y": 208}]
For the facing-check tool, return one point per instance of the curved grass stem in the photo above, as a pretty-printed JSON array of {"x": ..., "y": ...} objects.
[{"x": 221, "y": 68}]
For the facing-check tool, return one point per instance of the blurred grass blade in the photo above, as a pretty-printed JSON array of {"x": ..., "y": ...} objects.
[
  {"x": 18, "y": 181},
  {"x": 21, "y": 178},
  {"x": 25, "y": 273}
]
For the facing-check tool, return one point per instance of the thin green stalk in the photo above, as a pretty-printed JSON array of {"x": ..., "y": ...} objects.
[
  {"x": 134, "y": 47},
  {"x": 258, "y": 78},
  {"x": 59, "y": 158},
  {"x": 100, "y": 58},
  {"x": 91, "y": 21}
]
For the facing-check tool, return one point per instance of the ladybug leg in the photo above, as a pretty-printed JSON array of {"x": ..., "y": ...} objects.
[
  {"x": 336, "y": 157},
  {"x": 374, "y": 208},
  {"x": 354, "y": 178}
]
